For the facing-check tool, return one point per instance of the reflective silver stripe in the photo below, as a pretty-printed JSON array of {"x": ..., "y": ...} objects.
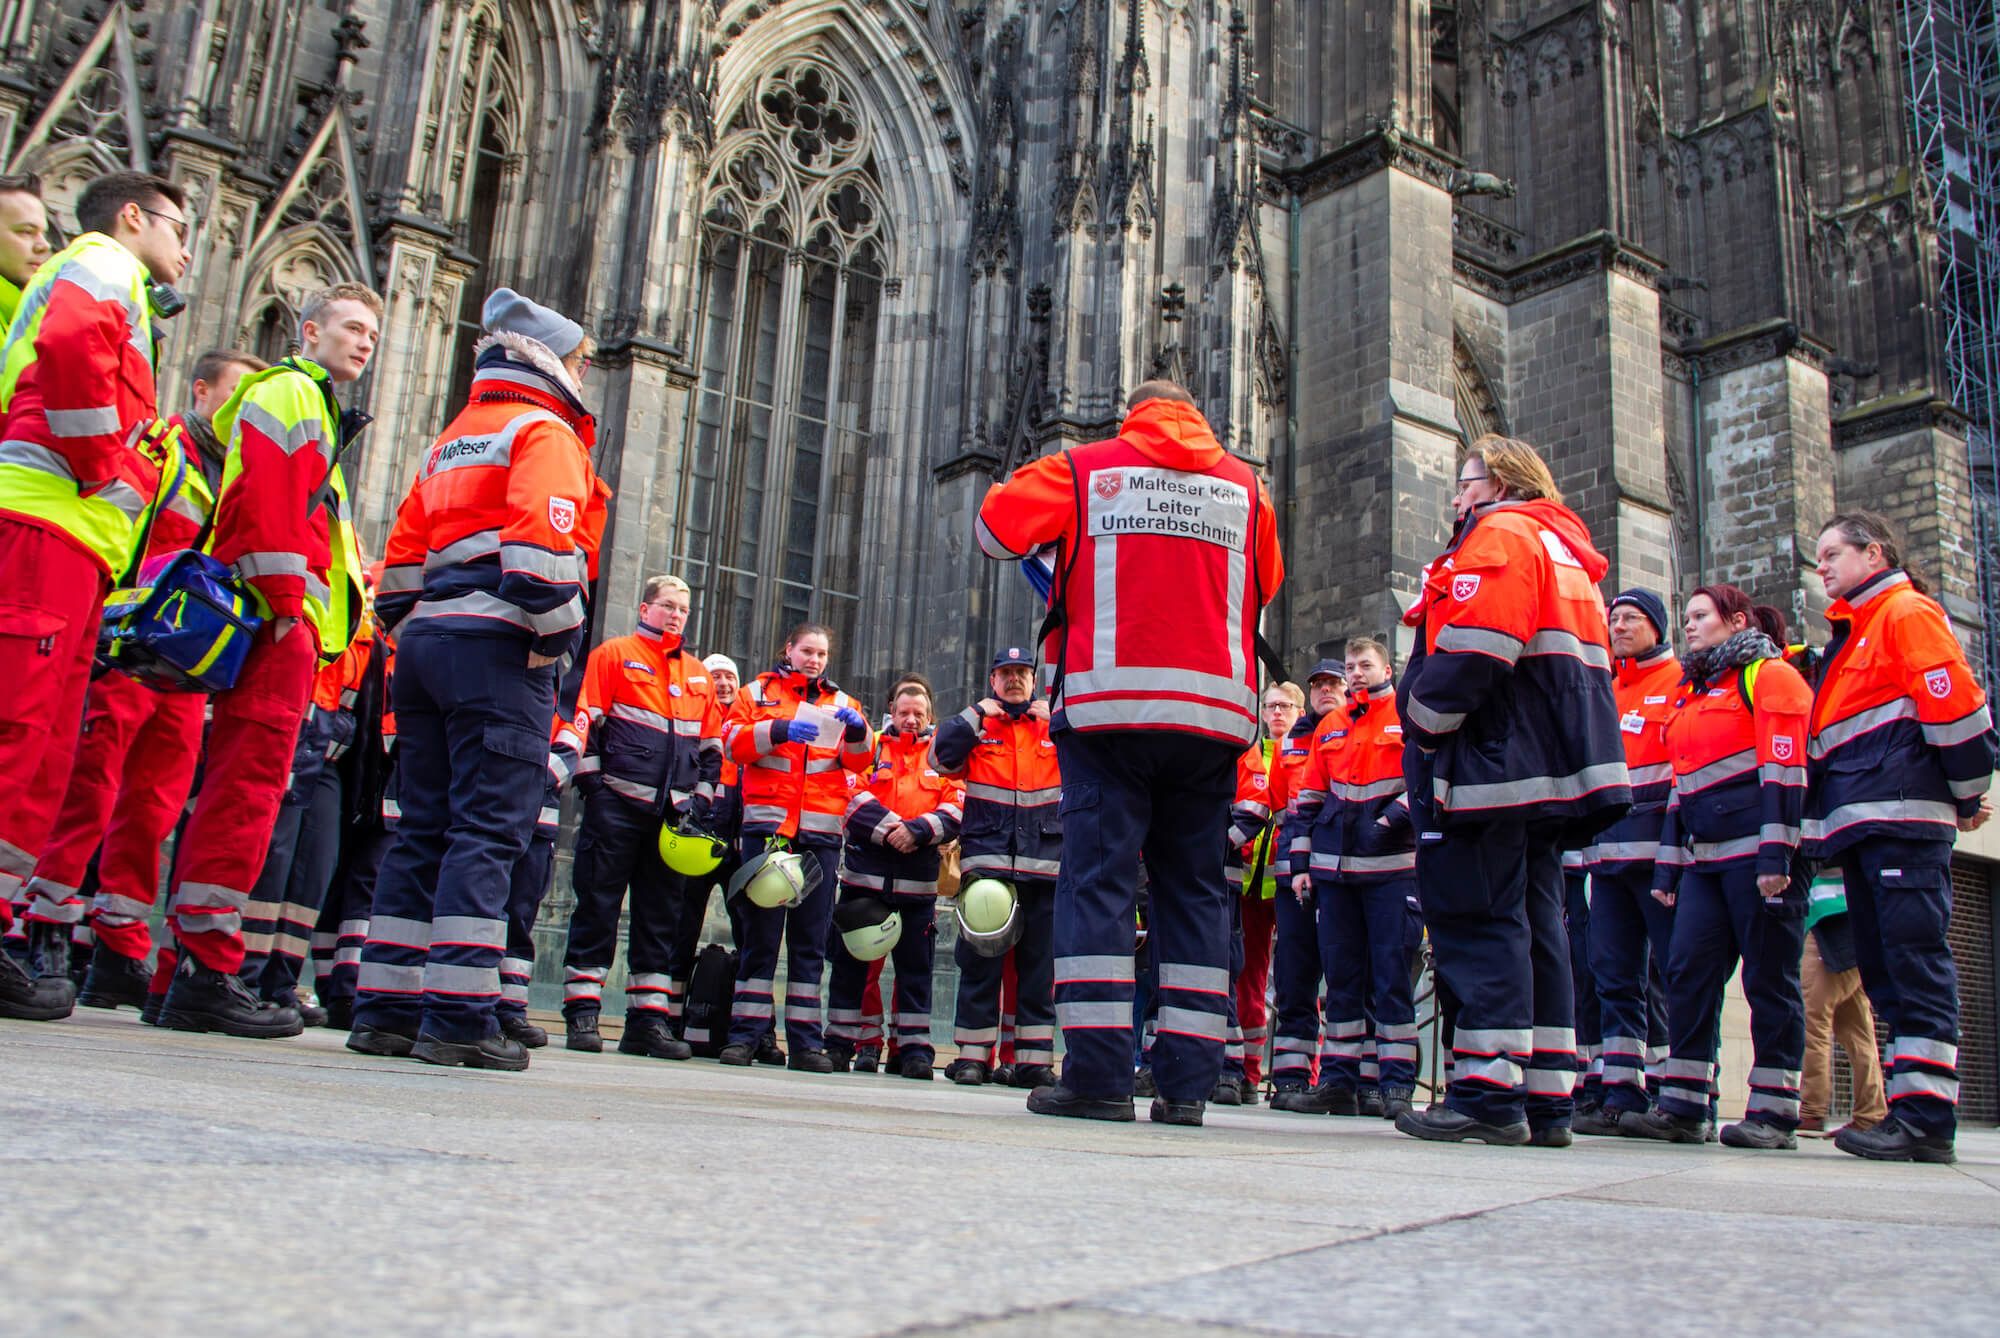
[
  {"x": 810, "y": 821},
  {"x": 386, "y": 978},
  {"x": 443, "y": 978},
  {"x": 513, "y": 992},
  {"x": 113, "y": 903},
  {"x": 1499, "y": 1071},
  {"x": 1778, "y": 773},
  {"x": 1378, "y": 863},
  {"x": 1481, "y": 641},
  {"x": 1121, "y": 679},
  {"x": 1494, "y": 1041},
  {"x": 1190, "y": 1022},
  {"x": 1916, "y": 1082},
  {"x": 1532, "y": 789},
  {"x": 1778, "y": 833},
  {"x": 815, "y": 766},
  {"x": 583, "y": 989},
  {"x": 1134, "y": 712},
  {"x": 483, "y": 543},
  {"x": 690, "y": 727},
  {"x": 1925, "y": 1050},
  {"x": 1970, "y": 789},
  {"x": 1779, "y": 1078},
  {"x": 1722, "y": 769},
  {"x": 35, "y": 456},
  {"x": 639, "y": 715},
  {"x": 989, "y": 543},
  {"x": 251, "y": 566},
  {"x": 1433, "y": 722},
  {"x": 1842, "y": 732},
  {"x": 1116, "y": 970},
  {"x": 1195, "y": 979},
  {"x": 99, "y": 421},
  {"x": 1880, "y": 810},
  {"x": 495, "y": 449},
  {"x": 1765, "y": 1103},
  {"x": 481, "y": 604},
  {"x": 1653, "y": 773},
  {"x": 287, "y": 437},
  {"x": 468, "y": 930},
  {"x": 760, "y": 813},
  {"x": 1549, "y": 1082},
  {"x": 399, "y": 932},
  {"x": 1001, "y": 794},
  {"x": 1552, "y": 1040},
  {"x": 1381, "y": 789},
  {"x": 645, "y": 794},
  {"x": 1555, "y": 641},
  {"x": 1686, "y": 1070},
  {"x": 1609, "y": 852},
  {"x": 516, "y": 966},
  {"x": 399, "y": 580},
  {"x": 1713, "y": 852},
  {"x": 541, "y": 563},
  {"x": 1963, "y": 730},
  {"x": 209, "y": 896},
  {"x": 1098, "y": 1014}
]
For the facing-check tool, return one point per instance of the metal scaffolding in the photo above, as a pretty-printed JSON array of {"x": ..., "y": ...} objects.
[{"x": 1954, "y": 73}]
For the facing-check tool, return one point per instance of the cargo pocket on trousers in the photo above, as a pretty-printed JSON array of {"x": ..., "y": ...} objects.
[
  {"x": 28, "y": 641},
  {"x": 1082, "y": 842},
  {"x": 522, "y": 745}
]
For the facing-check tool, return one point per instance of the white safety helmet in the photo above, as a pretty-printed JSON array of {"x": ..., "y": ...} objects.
[
  {"x": 776, "y": 878},
  {"x": 989, "y": 916},
  {"x": 868, "y": 927}
]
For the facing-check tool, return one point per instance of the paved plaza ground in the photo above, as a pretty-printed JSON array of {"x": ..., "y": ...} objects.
[{"x": 162, "y": 1184}]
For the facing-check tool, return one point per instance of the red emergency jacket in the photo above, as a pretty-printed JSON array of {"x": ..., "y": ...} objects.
[
  {"x": 1013, "y": 793},
  {"x": 903, "y": 786},
  {"x": 792, "y": 789},
  {"x": 179, "y": 523},
  {"x": 1167, "y": 554},
  {"x": 1646, "y": 690},
  {"x": 500, "y": 530},
  {"x": 1902, "y": 740},
  {"x": 1739, "y": 788},
  {"x": 1294, "y": 756},
  {"x": 654, "y": 734},
  {"x": 1510, "y": 680},
  {"x": 1349, "y": 819},
  {"x": 1251, "y": 825},
  {"x": 566, "y": 736}
]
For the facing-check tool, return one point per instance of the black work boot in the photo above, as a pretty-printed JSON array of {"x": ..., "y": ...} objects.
[
  {"x": 968, "y": 1073},
  {"x": 1761, "y": 1135},
  {"x": 866, "y": 1060},
  {"x": 339, "y": 1015},
  {"x": 738, "y": 1056},
  {"x": 768, "y": 1051},
  {"x": 1442, "y": 1124},
  {"x": 1325, "y": 1099},
  {"x": 310, "y": 1014},
  {"x": 649, "y": 1036},
  {"x": 497, "y": 1052},
  {"x": 367, "y": 1040},
  {"x": 1175, "y": 1112},
  {"x": 115, "y": 979},
  {"x": 1369, "y": 1102},
  {"x": 1032, "y": 1076},
  {"x": 915, "y": 1065},
  {"x": 1225, "y": 1093},
  {"x": 842, "y": 1056},
  {"x": 1059, "y": 1100},
  {"x": 1662, "y": 1127},
  {"x": 204, "y": 999},
  {"x": 31, "y": 998},
  {"x": 1395, "y": 1100},
  {"x": 811, "y": 1061},
  {"x": 1892, "y": 1140},
  {"x": 580, "y": 1033},
  {"x": 516, "y": 1026},
  {"x": 149, "y": 1012}
]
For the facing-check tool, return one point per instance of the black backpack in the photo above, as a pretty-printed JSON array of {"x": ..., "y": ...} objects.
[{"x": 710, "y": 998}]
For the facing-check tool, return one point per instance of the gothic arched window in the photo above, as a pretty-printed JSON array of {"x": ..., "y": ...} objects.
[{"x": 793, "y": 255}]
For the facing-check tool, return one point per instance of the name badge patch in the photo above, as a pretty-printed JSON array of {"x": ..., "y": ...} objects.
[{"x": 1138, "y": 499}]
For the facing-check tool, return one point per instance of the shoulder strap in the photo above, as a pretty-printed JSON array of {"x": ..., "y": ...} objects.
[
  {"x": 171, "y": 483},
  {"x": 1746, "y": 685},
  {"x": 1058, "y": 615}
]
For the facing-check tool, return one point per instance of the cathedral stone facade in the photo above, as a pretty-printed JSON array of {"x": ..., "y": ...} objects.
[{"x": 848, "y": 260}]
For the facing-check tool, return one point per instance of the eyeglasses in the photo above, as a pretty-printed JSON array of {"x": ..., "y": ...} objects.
[
  {"x": 179, "y": 225},
  {"x": 1467, "y": 480}
]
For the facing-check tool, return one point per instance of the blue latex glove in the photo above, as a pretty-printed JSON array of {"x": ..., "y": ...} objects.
[{"x": 857, "y": 727}]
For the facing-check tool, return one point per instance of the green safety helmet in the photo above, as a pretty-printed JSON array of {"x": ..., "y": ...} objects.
[
  {"x": 690, "y": 851},
  {"x": 868, "y": 928},
  {"x": 776, "y": 878},
  {"x": 989, "y": 916}
]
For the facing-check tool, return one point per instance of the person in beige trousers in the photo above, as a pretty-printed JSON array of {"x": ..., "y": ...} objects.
[{"x": 1836, "y": 1010}]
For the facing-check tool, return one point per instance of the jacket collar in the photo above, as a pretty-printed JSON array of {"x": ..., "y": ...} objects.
[
  {"x": 1640, "y": 665},
  {"x": 1881, "y": 583}
]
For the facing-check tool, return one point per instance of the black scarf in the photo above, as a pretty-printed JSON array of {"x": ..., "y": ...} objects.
[{"x": 1702, "y": 667}]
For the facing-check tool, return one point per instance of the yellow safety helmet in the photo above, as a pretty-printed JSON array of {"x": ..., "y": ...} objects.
[
  {"x": 868, "y": 927},
  {"x": 690, "y": 851},
  {"x": 989, "y": 916}
]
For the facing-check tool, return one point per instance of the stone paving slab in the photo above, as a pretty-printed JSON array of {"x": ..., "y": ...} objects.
[{"x": 165, "y": 1183}]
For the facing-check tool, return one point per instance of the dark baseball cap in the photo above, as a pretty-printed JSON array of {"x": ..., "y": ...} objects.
[
  {"x": 1326, "y": 668},
  {"x": 1014, "y": 655}
]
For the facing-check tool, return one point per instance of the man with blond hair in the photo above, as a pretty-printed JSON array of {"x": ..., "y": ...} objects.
[{"x": 283, "y": 522}]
